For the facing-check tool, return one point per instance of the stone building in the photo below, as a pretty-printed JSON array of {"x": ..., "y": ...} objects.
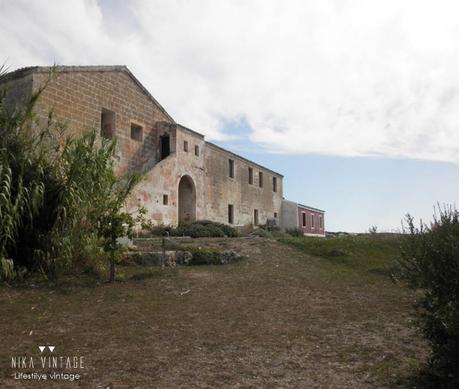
[{"x": 186, "y": 177}]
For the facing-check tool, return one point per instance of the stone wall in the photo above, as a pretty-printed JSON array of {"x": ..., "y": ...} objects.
[
  {"x": 18, "y": 89},
  {"x": 222, "y": 190},
  {"x": 112, "y": 101},
  {"x": 78, "y": 97},
  {"x": 164, "y": 178}
]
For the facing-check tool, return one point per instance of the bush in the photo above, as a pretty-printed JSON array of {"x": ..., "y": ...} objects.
[
  {"x": 204, "y": 256},
  {"x": 60, "y": 199},
  {"x": 198, "y": 229},
  {"x": 295, "y": 232},
  {"x": 430, "y": 262},
  {"x": 262, "y": 233}
]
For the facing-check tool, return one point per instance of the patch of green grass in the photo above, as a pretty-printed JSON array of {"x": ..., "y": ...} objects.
[{"x": 372, "y": 254}]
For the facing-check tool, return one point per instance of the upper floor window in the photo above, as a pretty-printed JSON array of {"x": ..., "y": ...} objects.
[
  {"x": 321, "y": 222},
  {"x": 164, "y": 145},
  {"x": 260, "y": 179},
  {"x": 274, "y": 184},
  {"x": 250, "y": 176},
  {"x": 231, "y": 168},
  {"x": 107, "y": 123},
  {"x": 185, "y": 146},
  {"x": 304, "y": 219},
  {"x": 165, "y": 199},
  {"x": 196, "y": 150},
  {"x": 136, "y": 132},
  {"x": 312, "y": 220}
]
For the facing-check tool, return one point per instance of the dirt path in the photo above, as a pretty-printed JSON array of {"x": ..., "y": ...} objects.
[{"x": 277, "y": 319}]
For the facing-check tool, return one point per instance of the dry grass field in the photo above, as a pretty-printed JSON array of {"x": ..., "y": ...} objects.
[{"x": 280, "y": 318}]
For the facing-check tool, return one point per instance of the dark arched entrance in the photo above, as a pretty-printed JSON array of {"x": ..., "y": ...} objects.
[{"x": 186, "y": 200}]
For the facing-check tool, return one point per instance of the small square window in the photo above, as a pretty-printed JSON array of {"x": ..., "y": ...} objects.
[
  {"x": 165, "y": 199},
  {"x": 185, "y": 146},
  {"x": 196, "y": 150},
  {"x": 136, "y": 132},
  {"x": 275, "y": 215}
]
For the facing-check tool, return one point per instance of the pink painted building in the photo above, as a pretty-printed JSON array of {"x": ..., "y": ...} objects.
[{"x": 310, "y": 220}]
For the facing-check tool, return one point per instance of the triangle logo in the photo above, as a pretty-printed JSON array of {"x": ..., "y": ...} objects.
[
  {"x": 41, "y": 348},
  {"x": 51, "y": 348}
]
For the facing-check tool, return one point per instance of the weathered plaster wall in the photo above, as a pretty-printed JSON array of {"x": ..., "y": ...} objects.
[
  {"x": 289, "y": 218},
  {"x": 164, "y": 178},
  {"x": 222, "y": 190}
]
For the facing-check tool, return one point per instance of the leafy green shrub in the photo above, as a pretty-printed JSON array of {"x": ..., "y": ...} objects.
[
  {"x": 205, "y": 256},
  {"x": 60, "y": 200},
  {"x": 227, "y": 230},
  {"x": 198, "y": 229},
  {"x": 262, "y": 233},
  {"x": 295, "y": 232},
  {"x": 430, "y": 262}
]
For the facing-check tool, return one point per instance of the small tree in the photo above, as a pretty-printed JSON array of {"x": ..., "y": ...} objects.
[
  {"x": 430, "y": 262},
  {"x": 373, "y": 230},
  {"x": 114, "y": 222}
]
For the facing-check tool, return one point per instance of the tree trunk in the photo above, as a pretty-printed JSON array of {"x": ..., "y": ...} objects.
[{"x": 112, "y": 267}]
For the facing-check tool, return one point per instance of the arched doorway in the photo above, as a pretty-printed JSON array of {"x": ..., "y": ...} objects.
[{"x": 186, "y": 200}]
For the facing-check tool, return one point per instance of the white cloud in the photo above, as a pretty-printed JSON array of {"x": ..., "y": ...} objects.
[{"x": 352, "y": 78}]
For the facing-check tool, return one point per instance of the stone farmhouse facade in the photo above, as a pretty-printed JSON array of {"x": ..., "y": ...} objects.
[{"x": 186, "y": 177}]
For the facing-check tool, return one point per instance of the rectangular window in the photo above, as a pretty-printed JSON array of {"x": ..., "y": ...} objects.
[
  {"x": 107, "y": 123},
  {"x": 185, "y": 146},
  {"x": 255, "y": 217},
  {"x": 231, "y": 168},
  {"x": 136, "y": 132},
  {"x": 312, "y": 220},
  {"x": 260, "y": 179},
  {"x": 165, "y": 199},
  {"x": 275, "y": 215},
  {"x": 274, "y": 184},
  {"x": 304, "y": 218},
  {"x": 164, "y": 145},
  {"x": 250, "y": 176},
  {"x": 230, "y": 214},
  {"x": 196, "y": 150},
  {"x": 321, "y": 222}
]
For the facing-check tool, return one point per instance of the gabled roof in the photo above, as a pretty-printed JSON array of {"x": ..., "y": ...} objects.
[
  {"x": 22, "y": 72},
  {"x": 19, "y": 73}
]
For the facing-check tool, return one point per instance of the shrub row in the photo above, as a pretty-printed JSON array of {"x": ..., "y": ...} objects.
[{"x": 198, "y": 229}]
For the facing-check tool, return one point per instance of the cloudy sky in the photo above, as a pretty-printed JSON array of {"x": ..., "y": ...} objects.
[{"x": 356, "y": 102}]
